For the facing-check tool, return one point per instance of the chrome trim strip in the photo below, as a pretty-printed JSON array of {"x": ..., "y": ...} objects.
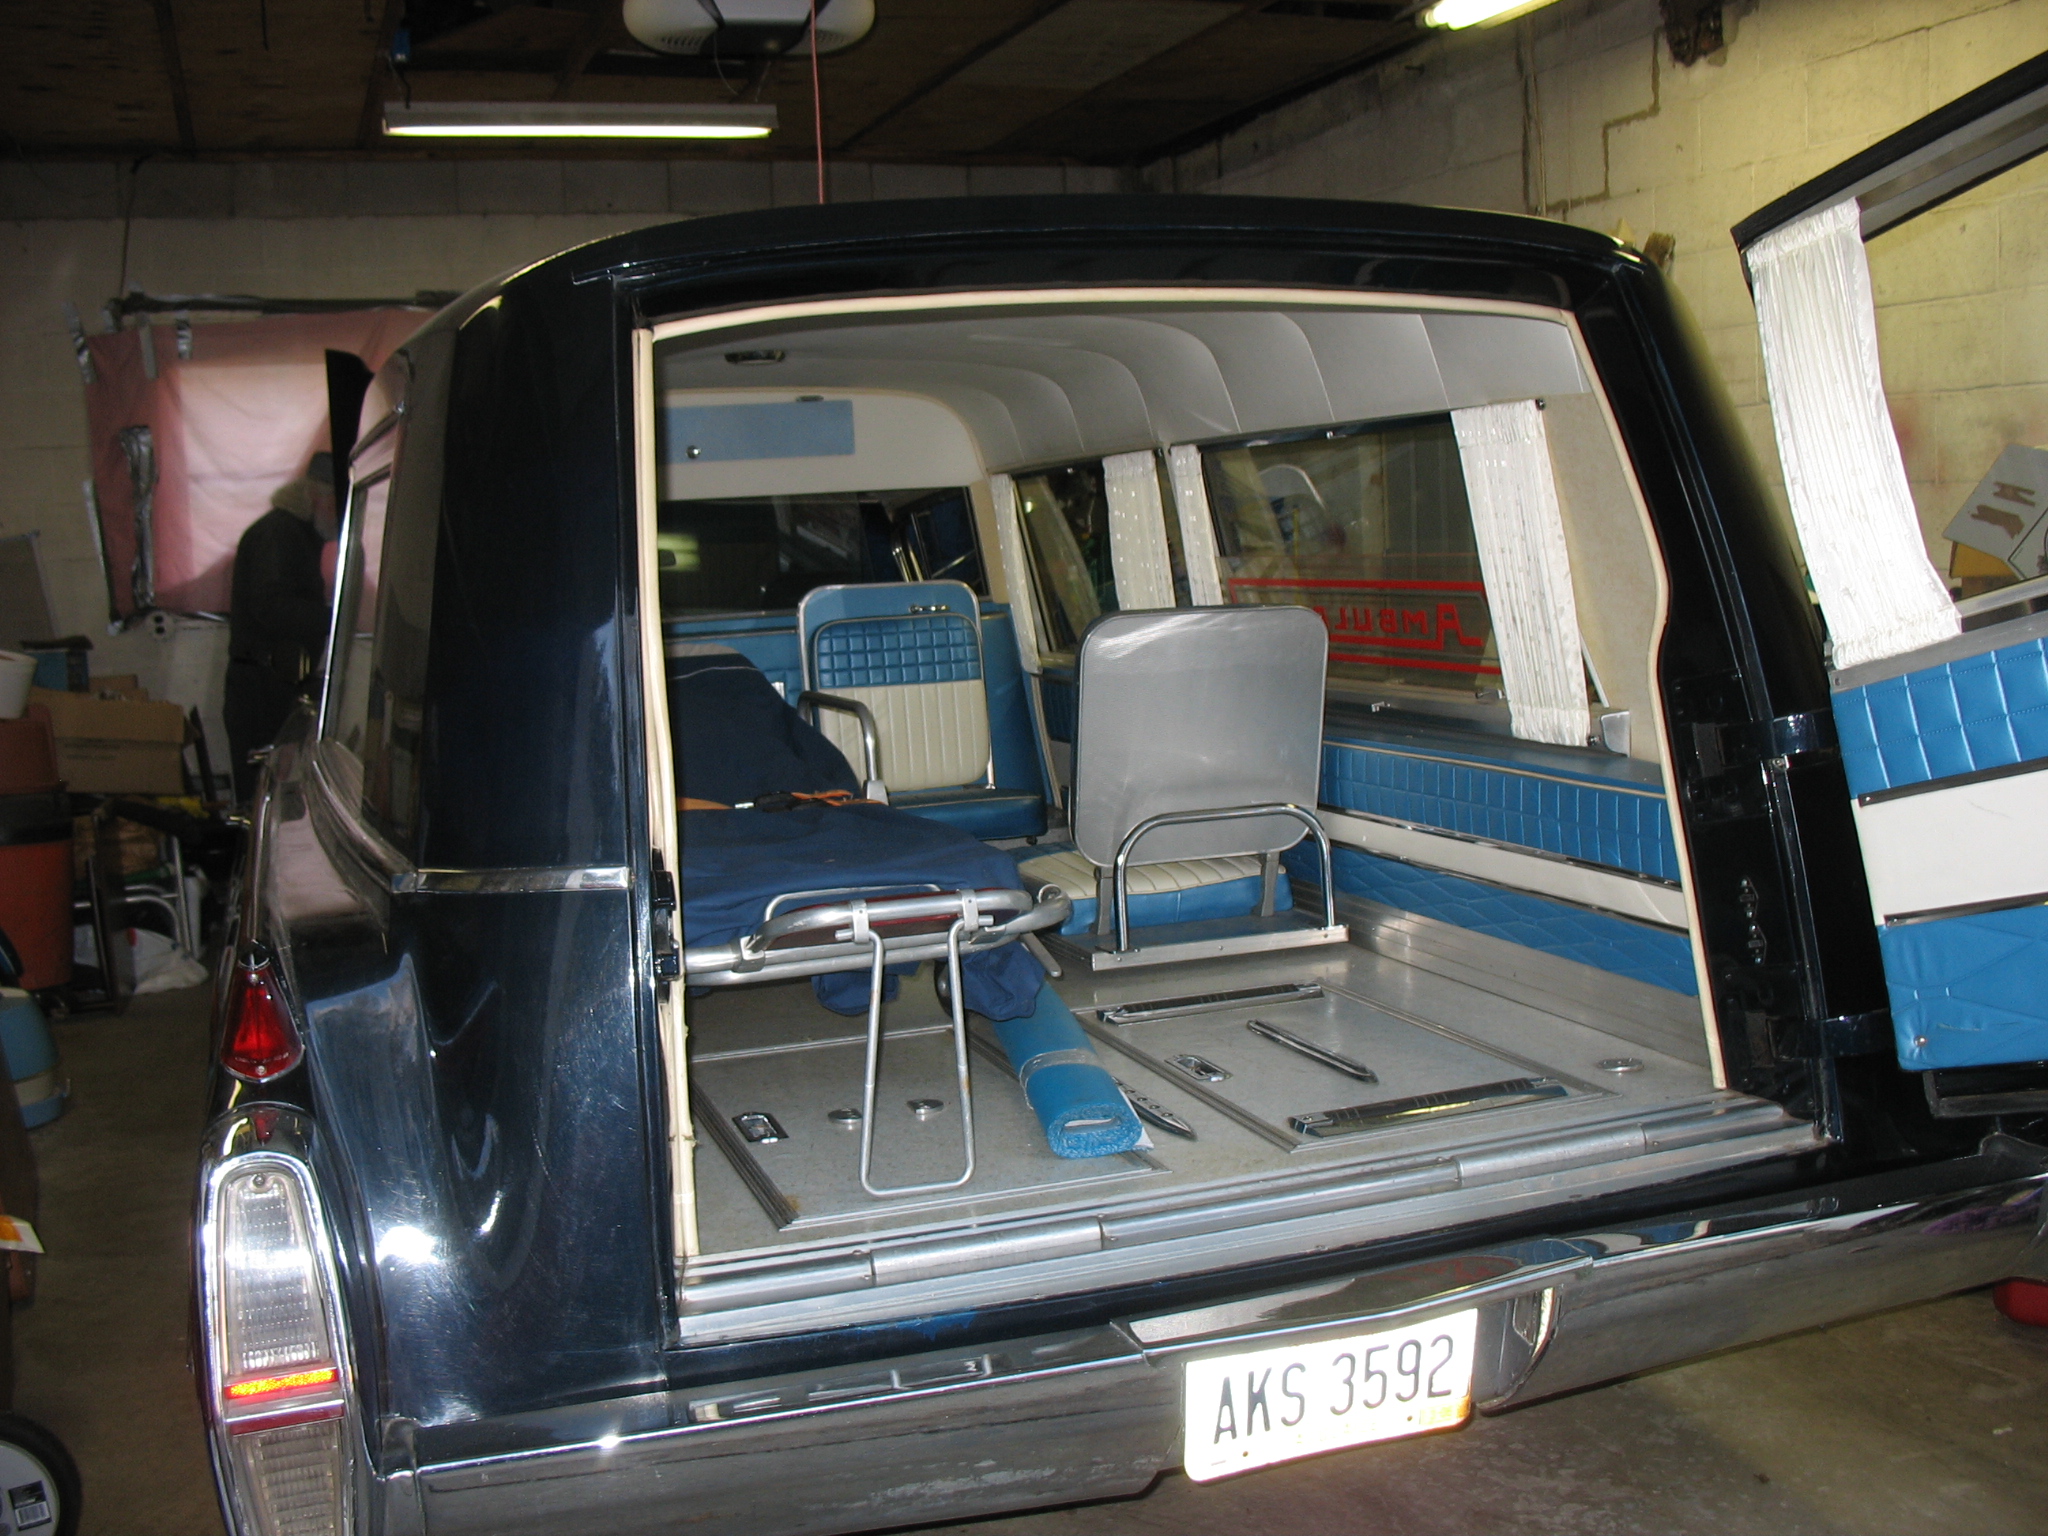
[
  {"x": 2003, "y": 597},
  {"x": 1653, "y": 889},
  {"x": 1954, "y": 781},
  {"x": 1966, "y": 909},
  {"x": 1971, "y": 642},
  {"x": 1355, "y": 744},
  {"x": 518, "y": 882}
]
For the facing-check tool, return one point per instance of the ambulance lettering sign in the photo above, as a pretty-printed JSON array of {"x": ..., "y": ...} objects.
[{"x": 1427, "y": 626}]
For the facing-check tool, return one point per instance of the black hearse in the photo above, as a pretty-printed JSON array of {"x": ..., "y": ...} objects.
[{"x": 956, "y": 852}]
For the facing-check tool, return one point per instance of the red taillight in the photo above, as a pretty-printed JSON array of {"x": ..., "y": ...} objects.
[{"x": 261, "y": 1039}]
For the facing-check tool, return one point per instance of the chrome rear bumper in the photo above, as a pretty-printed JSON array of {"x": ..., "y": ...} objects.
[{"x": 1097, "y": 1412}]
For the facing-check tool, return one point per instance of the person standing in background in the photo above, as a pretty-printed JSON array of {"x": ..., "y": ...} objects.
[{"x": 277, "y": 619}]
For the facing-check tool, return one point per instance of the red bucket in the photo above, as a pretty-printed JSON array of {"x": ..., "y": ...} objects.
[{"x": 35, "y": 885}]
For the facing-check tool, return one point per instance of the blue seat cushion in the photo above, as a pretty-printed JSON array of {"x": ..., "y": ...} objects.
[{"x": 978, "y": 811}]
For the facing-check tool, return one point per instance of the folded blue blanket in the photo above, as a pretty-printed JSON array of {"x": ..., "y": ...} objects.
[
  {"x": 1078, "y": 1103},
  {"x": 736, "y": 862}
]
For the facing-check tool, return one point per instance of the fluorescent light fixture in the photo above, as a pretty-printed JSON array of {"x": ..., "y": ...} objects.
[
  {"x": 574, "y": 120},
  {"x": 1476, "y": 13}
]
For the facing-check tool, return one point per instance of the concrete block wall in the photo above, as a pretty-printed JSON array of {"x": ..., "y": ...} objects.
[
  {"x": 323, "y": 230},
  {"x": 1578, "y": 112}
]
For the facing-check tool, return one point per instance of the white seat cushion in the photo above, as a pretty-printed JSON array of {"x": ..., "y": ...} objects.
[{"x": 1074, "y": 875}]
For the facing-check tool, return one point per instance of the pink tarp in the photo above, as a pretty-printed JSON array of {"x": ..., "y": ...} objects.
[{"x": 240, "y": 417}]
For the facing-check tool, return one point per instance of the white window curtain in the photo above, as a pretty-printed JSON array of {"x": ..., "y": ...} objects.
[
  {"x": 1844, "y": 476},
  {"x": 1137, "y": 531},
  {"x": 1197, "y": 533},
  {"x": 1002, "y": 492},
  {"x": 1522, "y": 556}
]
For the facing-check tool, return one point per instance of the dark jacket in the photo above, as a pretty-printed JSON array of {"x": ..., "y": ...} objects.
[{"x": 278, "y": 617}]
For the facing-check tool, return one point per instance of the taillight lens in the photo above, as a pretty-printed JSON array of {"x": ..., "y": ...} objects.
[
  {"x": 279, "y": 1373},
  {"x": 261, "y": 1041}
]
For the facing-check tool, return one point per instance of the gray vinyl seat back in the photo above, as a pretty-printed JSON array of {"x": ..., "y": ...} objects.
[{"x": 1197, "y": 709}]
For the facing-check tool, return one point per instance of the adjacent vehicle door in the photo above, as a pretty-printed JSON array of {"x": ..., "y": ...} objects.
[{"x": 1903, "y": 301}]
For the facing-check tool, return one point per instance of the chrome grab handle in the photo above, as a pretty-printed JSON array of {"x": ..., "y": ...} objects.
[
  {"x": 1120, "y": 875},
  {"x": 870, "y": 736}
]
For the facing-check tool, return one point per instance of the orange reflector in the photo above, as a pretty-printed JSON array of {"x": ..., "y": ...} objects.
[{"x": 296, "y": 1381}]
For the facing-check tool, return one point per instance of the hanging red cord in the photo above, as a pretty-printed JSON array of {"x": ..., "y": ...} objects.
[{"x": 817, "y": 102}]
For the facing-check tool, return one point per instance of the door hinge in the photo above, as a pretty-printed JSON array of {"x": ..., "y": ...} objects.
[{"x": 1721, "y": 745}]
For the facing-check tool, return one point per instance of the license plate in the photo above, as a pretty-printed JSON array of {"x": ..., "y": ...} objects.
[{"x": 1266, "y": 1405}]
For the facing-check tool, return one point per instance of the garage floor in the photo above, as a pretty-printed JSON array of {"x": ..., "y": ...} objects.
[{"x": 1932, "y": 1419}]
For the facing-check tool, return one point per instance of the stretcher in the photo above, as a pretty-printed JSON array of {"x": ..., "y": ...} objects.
[{"x": 902, "y": 890}]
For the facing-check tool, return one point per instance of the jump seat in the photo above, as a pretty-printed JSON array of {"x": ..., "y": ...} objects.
[{"x": 912, "y": 655}]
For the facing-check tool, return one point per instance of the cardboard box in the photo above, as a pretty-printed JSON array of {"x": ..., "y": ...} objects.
[{"x": 116, "y": 746}]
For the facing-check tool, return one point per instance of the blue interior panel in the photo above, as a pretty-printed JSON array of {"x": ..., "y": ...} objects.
[
  {"x": 1012, "y": 737},
  {"x": 1634, "y": 950},
  {"x": 1967, "y": 991},
  {"x": 892, "y": 652},
  {"x": 990, "y": 814},
  {"x": 1594, "y": 807},
  {"x": 1984, "y": 711}
]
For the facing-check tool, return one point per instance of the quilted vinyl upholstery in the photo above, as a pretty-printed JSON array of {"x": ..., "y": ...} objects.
[
  {"x": 1984, "y": 711},
  {"x": 934, "y": 735},
  {"x": 1180, "y": 892},
  {"x": 890, "y": 652},
  {"x": 1966, "y": 991},
  {"x": 1591, "y": 938},
  {"x": 1623, "y": 828}
]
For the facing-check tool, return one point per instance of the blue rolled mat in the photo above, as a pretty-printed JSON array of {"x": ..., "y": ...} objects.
[{"x": 1065, "y": 1083}]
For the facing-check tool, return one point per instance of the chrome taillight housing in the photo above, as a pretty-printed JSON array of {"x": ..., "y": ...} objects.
[{"x": 279, "y": 1397}]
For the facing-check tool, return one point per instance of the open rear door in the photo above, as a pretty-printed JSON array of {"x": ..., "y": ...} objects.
[{"x": 1903, "y": 299}]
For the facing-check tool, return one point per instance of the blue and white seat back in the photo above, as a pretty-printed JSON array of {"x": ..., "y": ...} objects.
[
  {"x": 910, "y": 652},
  {"x": 1197, "y": 709}
]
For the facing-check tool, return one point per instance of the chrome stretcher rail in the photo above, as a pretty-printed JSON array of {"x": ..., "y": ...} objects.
[{"x": 854, "y": 932}]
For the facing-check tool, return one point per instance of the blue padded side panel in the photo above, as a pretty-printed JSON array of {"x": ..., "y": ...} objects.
[
  {"x": 1966, "y": 991},
  {"x": 982, "y": 813},
  {"x": 1012, "y": 739},
  {"x": 1984, "y": 711},
  {"x": 1554, "y": 927},
  {"x": 882, "y": 653},
  {"x": 1228, "y": 898},
  {"x": 1600, "y": 824},
  {"x": 1062, "y": 702}
]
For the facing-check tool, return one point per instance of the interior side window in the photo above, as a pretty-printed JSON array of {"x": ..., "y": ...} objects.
[
  {"x": 748, "y": 554},
  {"x": 1065, "y": 514},
  {"x": 1369, "y": 526}
]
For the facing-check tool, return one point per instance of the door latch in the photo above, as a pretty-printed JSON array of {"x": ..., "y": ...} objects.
[{"x": 665, "y": 958}]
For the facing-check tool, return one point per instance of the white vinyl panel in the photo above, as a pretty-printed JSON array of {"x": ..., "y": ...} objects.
[
  {"x": 1374, "y": 365},
  {"x": 1488, "y": 359},
  {"x": 1138, "y": 555},
  {"x": 1197, "y": 532},
  {"x": 1075, "y": 876},
  {"x": 1267, "y": 364},
  {"x": 933, "y": 735},
  {"x": 1983, "y": 842},
  {"x": 1647, "y": 900},
  {"x": 1186, "y": 396}
]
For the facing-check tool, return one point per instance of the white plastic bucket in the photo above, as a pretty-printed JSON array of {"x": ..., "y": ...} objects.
[{"x": 16, "y": 673}]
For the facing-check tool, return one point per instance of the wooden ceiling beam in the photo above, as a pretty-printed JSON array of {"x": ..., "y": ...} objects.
[{"x": 174, "y": 67}]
